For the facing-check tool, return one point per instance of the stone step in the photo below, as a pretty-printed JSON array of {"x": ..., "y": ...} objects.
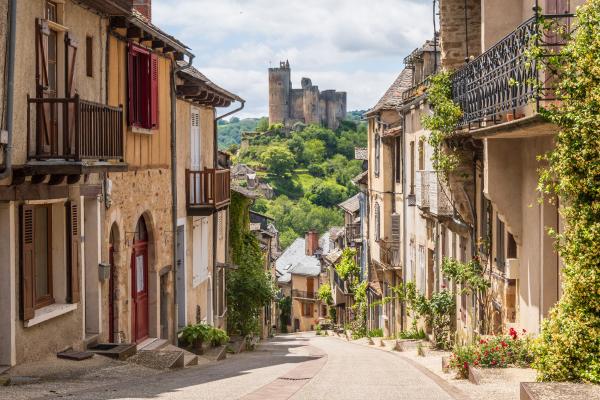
[
  {"x": 152, "y": 344},
  {"x": 159, "y": 359},
  {"x": 189, "y": 358}
]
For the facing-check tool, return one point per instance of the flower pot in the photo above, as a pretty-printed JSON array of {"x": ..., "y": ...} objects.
[{"x": 198, "y": 347}]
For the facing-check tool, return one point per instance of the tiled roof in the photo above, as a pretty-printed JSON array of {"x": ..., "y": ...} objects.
[
  {"x": 199, "y": 76},
  {"x": 361, "y": 153},
  {"x": 393, "y": 97},
  {"x": 244, "y": 191},
  {"x": 351, "y": 205},
  {"x": 295, "y": 261},
  {"x": 333, "y": 256},
  {"x": 361, "y": 178}
]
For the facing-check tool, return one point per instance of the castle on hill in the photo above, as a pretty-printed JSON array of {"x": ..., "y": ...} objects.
[{"x": 307, "y": 105}]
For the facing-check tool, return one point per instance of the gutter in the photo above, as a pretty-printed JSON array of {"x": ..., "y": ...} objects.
[
  {"x": 174, "y": 72},
  {"x": 10, "y": 90},
  {"x": 216, "y": 217}
]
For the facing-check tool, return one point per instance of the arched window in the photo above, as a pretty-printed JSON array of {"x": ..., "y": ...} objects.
[
  {"x": 377, "y": 223},
  {"x": 141, "y": 233}
]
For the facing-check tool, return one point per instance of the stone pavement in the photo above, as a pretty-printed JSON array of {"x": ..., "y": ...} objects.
[{"x": 301, "y": 366}]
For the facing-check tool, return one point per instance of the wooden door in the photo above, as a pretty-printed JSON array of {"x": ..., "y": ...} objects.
[
  {"x": 310, "y": 286},
  {"x": 111, "y": 293},
  {"x": 139, "y": 283}
]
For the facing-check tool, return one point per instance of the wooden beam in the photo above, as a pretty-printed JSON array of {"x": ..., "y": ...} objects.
[
  {"x": 72, "y": 179},
  {"x": 118, "y": 22},
  {"x": 56, "y": 179},
  {"x": 158, "y": 44},
  {"x": 35, "y": 179},
  {"x": 188, "y": 90},
  {"x": 168, "y": 49},
  {"x": 33, "y": 192},
  {"x": 134, "y": 32}
]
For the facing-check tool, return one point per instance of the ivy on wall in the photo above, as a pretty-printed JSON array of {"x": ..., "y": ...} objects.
[{"x": 569, "y": 345}]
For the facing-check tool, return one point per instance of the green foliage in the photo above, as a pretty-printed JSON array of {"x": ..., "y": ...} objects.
[
  {"x": 568, "y": 347},
  {"x": 195, "y": 334},
  {"x": 249, "y": 287},
  {"x": 327, "y": 194},
  {"x": 359, "y": 324},
  {"x": 316, "y": 170},
  {"x": 443, "y": 122},
  {"x": 279, "y": 160},
  {"x": 378, "y": 332},
  {"x": 230, "y": 133},
  {"x": 469, "y": 275},
  {"x": 314, "y": 152},
  {"x": 263, "y": 125},
  {"x": 324, "y": 294},
  {"x": 285, "y": 312},
  {"x": 415, "y": 334},
  {"x": 347, "y": 268},
  {"x": 217, "y": 337}
]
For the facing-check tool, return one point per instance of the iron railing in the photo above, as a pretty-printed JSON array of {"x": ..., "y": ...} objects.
[
  {"x": 304, "y": 294},
  {"x": 353, "y": 232},
  {"x": 74, "y": 129},
  {"x": 208, "y": 188},
  {"x": 499, "y": 84},
  {"x": 432, "y": 194}
]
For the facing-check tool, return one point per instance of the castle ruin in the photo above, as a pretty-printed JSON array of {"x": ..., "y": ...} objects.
[{"x": 307, "y": 105}]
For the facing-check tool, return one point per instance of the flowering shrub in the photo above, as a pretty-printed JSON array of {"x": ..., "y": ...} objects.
[{"x": 495, "y": 352}]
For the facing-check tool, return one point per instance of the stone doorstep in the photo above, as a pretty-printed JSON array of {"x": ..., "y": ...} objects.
[
  {"x": 119, "y": 352},
  {"x": 558, "y": 391},
  {"x": 159, "y": 359},
  {"x": 215, "y": 353}
]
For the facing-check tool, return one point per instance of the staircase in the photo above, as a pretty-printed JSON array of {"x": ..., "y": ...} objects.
[{"x": 159, "y": 354}]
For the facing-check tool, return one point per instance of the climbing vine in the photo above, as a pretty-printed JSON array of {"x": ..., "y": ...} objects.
[
  {"x": 469, "y": 275},
  {"x": 348, "y": 268},
  {"x": 443, "y": 122},
  {"x": 568, "y": 347}
]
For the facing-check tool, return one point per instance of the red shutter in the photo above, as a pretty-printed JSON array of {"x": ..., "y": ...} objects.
[
  {"x": 73, "y": 256},
  {"x": 70, "y": 63},
  {"x": 27, "y": 259},
  {"x": 131, "y": 114},
  {"x": 153, "y": 91}
]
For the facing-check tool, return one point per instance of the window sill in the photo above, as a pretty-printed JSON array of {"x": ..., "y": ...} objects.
[
  {"x": 49, "y": 312},
  {"x": 143, "y": 131}
]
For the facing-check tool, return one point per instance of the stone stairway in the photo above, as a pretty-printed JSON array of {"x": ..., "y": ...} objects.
[{"x": 159, "y": 354}]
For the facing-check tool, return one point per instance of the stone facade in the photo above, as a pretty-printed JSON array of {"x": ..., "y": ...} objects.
[
  {"x": 307, "y": 105},
  {"x": 460, "y": 32}
]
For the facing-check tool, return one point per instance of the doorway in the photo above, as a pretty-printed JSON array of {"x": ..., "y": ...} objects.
[
  {"x": 139, "y": 283},
  {"x": 112, "y": 324},
  {"x": 180, "y": 276}
]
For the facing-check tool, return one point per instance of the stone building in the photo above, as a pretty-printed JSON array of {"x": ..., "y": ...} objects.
[{"x": 307, "y": 104}]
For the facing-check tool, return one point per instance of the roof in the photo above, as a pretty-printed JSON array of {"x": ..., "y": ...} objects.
[
  {"x": 428, "y": 46},
  {"x": 295, "y": 261},
  {"x": 392, "y": 131},
  {"x": 108, "y": 7},
  {"x": 333, "y": 256},
  {"x": 336, "y": 232},
  {"x": 361, "y": 153},
  {"x": 393, "y": 96},
  {"x": 241, "y": 169},
  {"x": 361, "y": 178},
  {"x": 351, "y": 205},
  {"x": 193, "y": 74},
  {"x": 251, "y": 194}
]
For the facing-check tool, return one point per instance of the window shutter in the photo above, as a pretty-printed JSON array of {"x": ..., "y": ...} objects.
[
  {"x": 131, "y": 113},
  {"x": 44, "y": 136},
  {"x": 27, "y": 260},
  {"x": 153, "y": 91},
  {"x": 70, "y": 63},
  {"x": 73, "y": 257}
]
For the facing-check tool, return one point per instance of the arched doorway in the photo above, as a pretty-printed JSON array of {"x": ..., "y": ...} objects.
[
  {"x": 139, "y": 283},
  {"x": 113, "y": 324}
]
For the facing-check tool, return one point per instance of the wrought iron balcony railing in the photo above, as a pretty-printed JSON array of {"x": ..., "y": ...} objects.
[
  {"x": 207, "y": 190},
  {"x": 74, "y": 129},
  {"x": 304, "y": 294},
  {"x": 499, "y": 84},
  {"x": 431, "y": 194}
]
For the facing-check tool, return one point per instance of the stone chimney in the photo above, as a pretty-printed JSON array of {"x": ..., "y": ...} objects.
[
  {"x": 144, "y": 7},
  {"x": 311, "y": 242}
]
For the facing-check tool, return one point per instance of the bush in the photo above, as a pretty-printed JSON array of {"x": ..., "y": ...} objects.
[
  {"x": 316, "y": 170},
  {"x": 415, "y": 334},
  {"x": 217, "y": 337},
  {"x": 378, "y": 332}
]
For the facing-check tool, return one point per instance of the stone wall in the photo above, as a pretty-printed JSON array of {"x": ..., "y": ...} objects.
[{"x": 454, "y": 30}]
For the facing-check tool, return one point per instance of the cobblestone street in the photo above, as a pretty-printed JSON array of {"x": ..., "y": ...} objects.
[{"x": 295, "y": 366}]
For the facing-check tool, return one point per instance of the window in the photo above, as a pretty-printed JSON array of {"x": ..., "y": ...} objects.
[
  {"x": 412, "y": 167},
  {"x": 377, "y": 154},
  {"x": 421, "y": 155},
  {"x": 51, "y": 11},
  {"x": 323, "y": 311},
  {"x": 377, "y": 223},
  {"x": 42, "y": 234},
  {"x": 89, "y": 56},
  {"x": 398, "y": 159},
  {"x": 511, "y": 246},
  {"x": 52, "y": 64},
  {"x": 307, "y": 309},
  {"x": 500, "y": 250},
  {"x": 143, "y": 88},
  {"x": 485, "y": 224}
]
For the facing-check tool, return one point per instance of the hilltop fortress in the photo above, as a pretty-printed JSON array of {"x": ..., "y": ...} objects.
[{"x": 307, "y": 105}]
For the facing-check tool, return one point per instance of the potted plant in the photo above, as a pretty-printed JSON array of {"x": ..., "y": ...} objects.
[
  {"x": 195, "y": 335},
  {"x": 217, "y": 337}
]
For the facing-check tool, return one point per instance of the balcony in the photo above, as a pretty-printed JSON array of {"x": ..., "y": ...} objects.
[
  {"x": 353, "y": 232},
  {"x": 302, "y": 294},
  {"x": 431, "y": 195},
  {"x": 72, "y": 136},
  {"x": 503, "y": 84},
  {"x": 389, "y": 253},
  {"x": 207, "y": 191}
]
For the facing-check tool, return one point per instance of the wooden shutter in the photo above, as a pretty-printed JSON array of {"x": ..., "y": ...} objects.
[
  {"x": 44, "y": 110},
  {"x": 131, "y": 114},
  {"x": 74, "y": 245},
  {"x": 27, "y": 261},
  {"x": 153, "y": 91},
  {"x": 70, "y": 66}
]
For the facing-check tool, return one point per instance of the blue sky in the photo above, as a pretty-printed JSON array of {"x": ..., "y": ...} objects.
[{"x": 355, "y": 46}]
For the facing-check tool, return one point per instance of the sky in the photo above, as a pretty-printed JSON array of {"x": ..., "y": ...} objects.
[{"x": 356, "y": 46}]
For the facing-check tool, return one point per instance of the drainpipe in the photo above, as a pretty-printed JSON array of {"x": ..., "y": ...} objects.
[
  {"x": 404, "y": 221},
  {"x": 174, "y": 72},
  {"x": 215, "y": 216},
  {"x": 10, "y": 90}
]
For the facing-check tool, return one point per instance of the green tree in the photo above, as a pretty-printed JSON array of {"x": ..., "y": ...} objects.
[
  {"x": 314, "y": 152},
  {"x": 263, "y": 125},
  {"x": 327, "y": 194},
  {"x": 278, "y": 160}
]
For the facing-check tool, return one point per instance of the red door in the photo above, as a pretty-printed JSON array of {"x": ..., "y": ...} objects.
[{"x": 139, "y": 283}]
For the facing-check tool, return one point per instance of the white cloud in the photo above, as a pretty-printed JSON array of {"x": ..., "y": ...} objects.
[{"x": 350, "y": 45}]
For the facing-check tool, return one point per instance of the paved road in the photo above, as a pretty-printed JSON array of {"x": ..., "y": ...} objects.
[{"x": 293, "y": 367}]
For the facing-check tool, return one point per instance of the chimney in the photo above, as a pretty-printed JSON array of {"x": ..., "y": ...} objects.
[
  {"x": 144, "y": 7},
  {"x": 311, "y": 242}
]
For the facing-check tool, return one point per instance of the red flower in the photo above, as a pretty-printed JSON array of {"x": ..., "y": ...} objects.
[
  {"x": 466, "y": 365},
  {"x": 513, "y": 333},
  {"x": 524, "y": 331},
  {"x": 503, "y": 343}
]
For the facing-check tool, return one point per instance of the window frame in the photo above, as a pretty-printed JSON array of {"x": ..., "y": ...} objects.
[
  {"x": 47, "y": 299},
  {"x": 377, "y": 154},
  {"x": 142, "y": 86},
  {"x": 89, "y": 56}
]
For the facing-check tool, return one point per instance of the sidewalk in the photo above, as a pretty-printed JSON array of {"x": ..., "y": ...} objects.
[{"x": 497, "y": 383}]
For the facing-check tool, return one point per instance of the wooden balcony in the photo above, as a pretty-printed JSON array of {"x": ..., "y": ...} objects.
[
  {"x": 353, "y": 232},
  {"x": 70, "y": 136},
  {"x": 207, "y": 191},
  {"x": 302, "y": 294},
  {"x": 389, "y": 253}
]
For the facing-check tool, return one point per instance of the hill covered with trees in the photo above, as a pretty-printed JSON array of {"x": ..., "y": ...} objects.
[{"x": 310, "y": 170}]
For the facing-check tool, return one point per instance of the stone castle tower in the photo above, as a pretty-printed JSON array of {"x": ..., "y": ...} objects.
[{"x": 288, "y": 105}]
